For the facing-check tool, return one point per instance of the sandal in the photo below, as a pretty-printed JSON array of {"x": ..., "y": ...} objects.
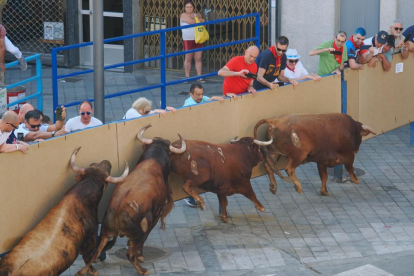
[{"x": 201, "y": 80}]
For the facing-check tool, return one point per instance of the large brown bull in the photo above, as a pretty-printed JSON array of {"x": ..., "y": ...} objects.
[
  {"x": 327, "y": 139},
  {"x": 70, "y": 228},
  {"x": 223, "y": 169},
  {"x": 139, "y": 202}
]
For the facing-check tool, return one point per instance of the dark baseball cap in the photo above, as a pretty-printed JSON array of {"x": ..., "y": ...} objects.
[
  {"x": 391, "y": 41},
  {"x": 382, "y": 37}
]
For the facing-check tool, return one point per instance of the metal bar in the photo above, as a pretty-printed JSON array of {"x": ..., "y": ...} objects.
[
  {"x": 163, "y": 73},
  {"x": 54, "y": 83},
  {"x": 339, "y": 170},
  {"x": 412, "y": 133},
  {"x": 24, "y": 99},
  {"x": 39, "y": 83},
  {"x": 22, "y": 82},
  {"x": 257, "y": 25},
  {"x": 98, "y": 60}
]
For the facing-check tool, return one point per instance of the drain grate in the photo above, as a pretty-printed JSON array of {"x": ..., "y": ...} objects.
[
  {"x": 71, "y": 80},
  {"x": 151, "y": 254},
  {"x": 184, "y": 93}
]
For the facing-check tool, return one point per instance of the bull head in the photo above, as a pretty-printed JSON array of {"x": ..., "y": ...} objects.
[
  {"x": 149, "y": 141},
  {"x": 109, "y": 179},
  {"x": 257, "y": 142}
]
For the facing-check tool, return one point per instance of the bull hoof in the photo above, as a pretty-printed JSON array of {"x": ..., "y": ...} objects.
[
  {"x": 261, "y": 208},
  {"x": 299, "y": 190},
  {"x": 272, "y": 189},
  {"x": 145, "y": 271},
  {"x": 324, "y": 193},
  {"x": 355, "y": 181},
  {"x": 224, "y": 219}
]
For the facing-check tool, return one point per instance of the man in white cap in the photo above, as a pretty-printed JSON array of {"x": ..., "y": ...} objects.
[{"x": 294, "y": 68}]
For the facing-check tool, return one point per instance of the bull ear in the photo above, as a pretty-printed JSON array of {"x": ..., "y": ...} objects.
[{"x": 366, "y": 130}]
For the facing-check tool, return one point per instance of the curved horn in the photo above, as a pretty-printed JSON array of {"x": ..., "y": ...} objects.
[
  {"x": 263, "y": 143},
  {"x": 183, "y": 146},
  {"x": 140, "y": 138},
  {"x": 72, "y": 163},
  {"x": 368, "y": 130},
  {"x": 112, "y": 179},
  {"x": 234, "y": 139}
]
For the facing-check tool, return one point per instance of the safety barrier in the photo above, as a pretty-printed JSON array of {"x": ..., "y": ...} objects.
[
  {"x": 37, "y": 78},
  {"x": 163, "y": 82}
]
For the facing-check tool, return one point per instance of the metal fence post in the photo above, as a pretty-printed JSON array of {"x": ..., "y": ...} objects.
[
  {"x": 257, "y": 27},
  {"x": 412, "y": 133},
  {"x": 54, "y": 83},
  {"x": 339, "y": 170},
  {"x": 98, "y": 60},
  {"x": 39, "y": 83},
  {"x": 163, "y": 72}
]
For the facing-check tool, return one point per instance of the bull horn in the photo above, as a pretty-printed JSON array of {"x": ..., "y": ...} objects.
[
  {"x": 263, "y": 143},
  {"x": 72, "y": 163},
  {"x": 368, "y": 130},
  {"x": 183, "y": 146},
  {"x": 140, "y": 138},
  {"x": 112, "y": 179},
  {"x": 234, "y": 139}
]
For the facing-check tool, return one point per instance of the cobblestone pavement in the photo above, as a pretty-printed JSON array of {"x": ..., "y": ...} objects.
[{"x": 367, "y": 227}]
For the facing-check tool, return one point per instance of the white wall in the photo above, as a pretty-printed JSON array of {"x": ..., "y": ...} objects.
[
  {"x": 388, "y": 13},
  {"x": 405, "y": 12}
]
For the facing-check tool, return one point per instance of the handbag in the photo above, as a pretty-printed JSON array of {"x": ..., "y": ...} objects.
[{"x": 201, "y": 34}]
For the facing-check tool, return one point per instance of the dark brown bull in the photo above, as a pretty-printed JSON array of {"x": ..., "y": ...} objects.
[
  {"x": 139, "y": 202},
  {"x": 223, "y": 169},
  {"x": 70, "y": 228},
  {"x": 327, "y": 139}
]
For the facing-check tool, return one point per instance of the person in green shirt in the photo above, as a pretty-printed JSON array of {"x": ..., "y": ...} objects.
[{"x": 329, "y": 61}]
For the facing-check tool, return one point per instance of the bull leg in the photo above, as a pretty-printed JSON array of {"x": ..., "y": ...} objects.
[
  {"x": 250, "y": 194},
  {"x": 350, "y": 169},
  {"x": 295, "y": 162},
  {"x": 89, "y": 268},
  {"x": 188, "y": 188},
  {"x": 223, "y": 203},
  {"x": 273, "y": 183},
  {"x": 323, "y": 174},
  {"x": 133, "y": 255}
]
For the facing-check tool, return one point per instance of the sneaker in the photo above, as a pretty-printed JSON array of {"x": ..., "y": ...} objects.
[
  {"x": 190, "y": 202},
  {"x": 22, "y": 63},
  {"x": 201, "y": 80}
]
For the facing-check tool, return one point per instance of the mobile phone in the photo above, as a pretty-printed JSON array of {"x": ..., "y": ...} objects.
[
  {"x": 20, "y": 136},
  {"x": 336, "y": 53},
  {"x": 251, "y": 75},
  {"x": 407, "y": 37},
  {"x": 365, "y": 47},
  {"x": 59, "y": 114}
]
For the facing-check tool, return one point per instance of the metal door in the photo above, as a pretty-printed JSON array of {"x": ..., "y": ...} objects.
[
  {"x": 113, "y": 26},
  {"x": 356, "y": 13},
  {"x": 159, "y": 14}
]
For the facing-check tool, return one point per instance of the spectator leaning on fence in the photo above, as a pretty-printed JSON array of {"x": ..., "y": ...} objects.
[
  {"x": 377, "y": 41},
  {"x": 271, "y": 65},
  {"x": 5, "y": 44},
  {"x": 294, "y": 68},
  {"x": 353, "y": 46},
  {"x": 142, "y": 106},
  {"x": 234, "y": 73},
  {"x": 396, "y": 31},
  {"x": 410, "y": 30},
  {"x": 84, "y": 120},
  {"x": 329, "y": 61},
  {"x": 385, "y": 57},
  {"x": 9, "y": 122},
  {"x": 197, "y": 96}
]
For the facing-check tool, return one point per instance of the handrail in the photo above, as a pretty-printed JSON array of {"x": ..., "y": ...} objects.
[
  {"x": 163, "y": 56},
  {"x": 37, "y": 78}
]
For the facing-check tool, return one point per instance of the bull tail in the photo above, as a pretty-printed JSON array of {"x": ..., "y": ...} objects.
[
  {"x": 110, "y": 244},
  {"x": 169, "y": 204},
  {"x": 259, "y": 123}
]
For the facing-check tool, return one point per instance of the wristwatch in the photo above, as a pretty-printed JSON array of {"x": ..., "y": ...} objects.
[{"x": 53, "y": 133}]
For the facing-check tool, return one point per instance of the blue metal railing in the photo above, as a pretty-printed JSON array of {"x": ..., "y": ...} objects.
[
  {"x": 37, "y": 78},
  {"x": 163, "y": 56}
]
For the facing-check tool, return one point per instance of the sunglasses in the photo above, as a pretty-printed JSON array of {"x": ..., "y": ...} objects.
[
  {"x": 87, "y": 113},
  {"x": 280, "y": 50},
  {"x": 293, "y": 60},
  {"x": 35, "y": 126},
  {"x": 396, "y": 28},
  {"x": 15, "y": 127}
]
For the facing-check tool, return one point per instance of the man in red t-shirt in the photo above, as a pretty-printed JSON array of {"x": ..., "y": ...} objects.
[{"x": 236, "y": 82}]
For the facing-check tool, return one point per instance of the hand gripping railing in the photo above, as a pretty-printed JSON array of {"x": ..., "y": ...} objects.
[{"x": 163, "y": 82}]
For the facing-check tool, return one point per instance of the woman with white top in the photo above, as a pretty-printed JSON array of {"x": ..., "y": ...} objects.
[
  {"x": 294, "y": 68},
  {"x": 142, "y": 107},
  {"x": 188, "y": 18}
]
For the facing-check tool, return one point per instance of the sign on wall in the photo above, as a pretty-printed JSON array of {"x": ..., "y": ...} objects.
[{"x": 53, "y": 30}]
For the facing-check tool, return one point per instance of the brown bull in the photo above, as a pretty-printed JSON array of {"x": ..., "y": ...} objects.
[
  {"x": 223, "y": 169},
  {"x": 327, "y": 139},
  {"x": 70, "y": 228},
  {"x": 139, "y": 202}
]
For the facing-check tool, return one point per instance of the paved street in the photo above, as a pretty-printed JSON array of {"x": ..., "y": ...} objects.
[{"x": 365, "y": 229}]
